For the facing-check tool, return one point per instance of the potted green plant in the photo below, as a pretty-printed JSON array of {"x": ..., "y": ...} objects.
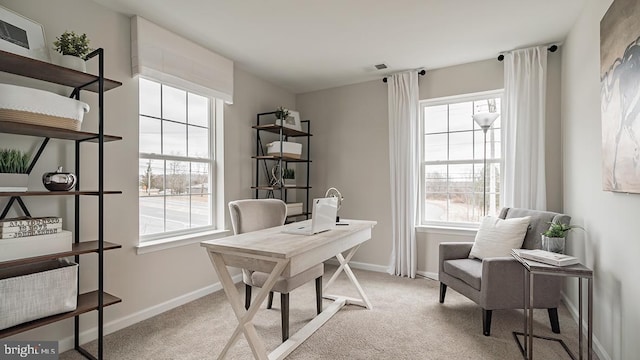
[
  {"x": 281, "y": 115},
  {"x": 13, "y": 170},
  {"x": 554, "y": 238},
  {"x": 74, "y": 49},
  {"x": 289, "y": 176}
]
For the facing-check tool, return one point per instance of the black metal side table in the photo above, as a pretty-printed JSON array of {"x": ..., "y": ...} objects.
[{"x": 579, "y": 271}]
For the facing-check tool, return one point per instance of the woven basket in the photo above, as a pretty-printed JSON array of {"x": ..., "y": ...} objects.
[
  {"x": 34, "y": 291},
  {"x": 27, "y": 117}
]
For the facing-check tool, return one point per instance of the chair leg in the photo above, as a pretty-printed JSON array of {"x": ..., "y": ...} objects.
[
  {"x": 319, "y": 295},
  {"x": 284, "y": 313},
  {"x": 553, "y": 319},
  {"x": 443, "y": 292},
  {"x": 486, "y": 322},
  {"x": 270, "y": 302},
  {"x": 247, "y": 296}
]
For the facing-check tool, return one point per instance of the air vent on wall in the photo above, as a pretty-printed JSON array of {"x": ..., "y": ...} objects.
[{"x": 380, "y": 66}]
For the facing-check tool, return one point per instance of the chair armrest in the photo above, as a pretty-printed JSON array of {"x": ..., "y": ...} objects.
[
  {"x": 502, "y": 283},
  {"x": 453, "y": 250}
]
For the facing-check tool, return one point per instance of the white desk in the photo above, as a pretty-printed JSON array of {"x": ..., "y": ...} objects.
[{"x": 277, "y": 253}]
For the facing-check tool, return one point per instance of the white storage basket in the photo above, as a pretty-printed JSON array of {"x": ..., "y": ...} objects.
[
  {"x": 289, "y": 149},
  {"x": 33, "y": 291}
]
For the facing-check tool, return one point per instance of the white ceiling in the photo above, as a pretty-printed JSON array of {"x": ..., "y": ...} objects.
[{"x": 307, "y": 45}]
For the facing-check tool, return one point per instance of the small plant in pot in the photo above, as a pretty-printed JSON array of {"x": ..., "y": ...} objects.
[
  {"x": 13, "y": 170},
  {"x": 553, "y": 239},
  {"x": 289, "y": 176},
  {"x": 74, "y": 49},
  {"x": 281, "y": 115}
]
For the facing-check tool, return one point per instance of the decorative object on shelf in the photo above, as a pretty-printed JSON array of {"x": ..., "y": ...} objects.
[
  {"x": 35, "y": 245},
  {"x": 289, "y": 177},
  {"x": 553, "y": 240},
  {"x": 13, "y": 170},
  {"x": 484, "y": 120},
  {"x": 289, "y": 149},
  {"x": 333, "y": 192},
  {"x": 59, "y": 180},
  {"x": 74, "y": 49},
  {"x": 57, "y": 279},
  {"x": 38, "y": 107},
  {"x": 22, "y": 36},
  {"x": 288, "y": 118}
]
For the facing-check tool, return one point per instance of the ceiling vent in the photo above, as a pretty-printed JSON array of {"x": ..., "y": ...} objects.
[{"x": 380, "y": 66}]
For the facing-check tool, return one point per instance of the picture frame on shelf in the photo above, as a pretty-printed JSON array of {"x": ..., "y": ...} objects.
[
  {"x": 292, "y": 121},
  {"x": 22, "y": 36}
]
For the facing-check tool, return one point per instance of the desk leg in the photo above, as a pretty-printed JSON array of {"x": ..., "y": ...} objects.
[
  {"x": 580, "y": 318},
  {"x": 590, "y": 319},
  {"x": 530, "y": 306},
  {"x": 245, "y": 317},
  {"x": 344, "y": 266},
  {"x": 525, "y": 332}
]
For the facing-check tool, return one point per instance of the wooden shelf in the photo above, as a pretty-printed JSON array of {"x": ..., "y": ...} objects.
[
  {"x": 86, "y": 302},
  {"x": 274, "y": 157},
  {"x": 273, "y": 128},
  {"x": 42, "y": 70},
  {"x": 279, "y": 187},
  {"x": 84, "y": 247},
  {"x": 55, "y": 193},
  {"x": 11, "y": 127}
]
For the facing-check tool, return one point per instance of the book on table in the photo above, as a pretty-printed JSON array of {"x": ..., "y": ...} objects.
[{"x": 548, "y": 257}]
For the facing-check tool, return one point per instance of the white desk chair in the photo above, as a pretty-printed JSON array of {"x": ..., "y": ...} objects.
[{"x": 257, "y": 214}]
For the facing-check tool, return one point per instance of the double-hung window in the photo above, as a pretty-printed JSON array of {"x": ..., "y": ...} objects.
[
  {"x": 176, "y": 161},
  {"x": 452, "y": 173}
]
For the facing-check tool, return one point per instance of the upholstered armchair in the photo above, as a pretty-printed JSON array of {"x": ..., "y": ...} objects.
[
  {"x": 257, "y": 214},
  {"x": 498, "y": 283}
]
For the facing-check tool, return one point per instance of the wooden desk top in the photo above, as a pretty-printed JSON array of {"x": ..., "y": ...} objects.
[{"x": 274, "y": 243}]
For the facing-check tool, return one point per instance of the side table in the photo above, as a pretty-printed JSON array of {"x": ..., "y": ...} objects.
[{"x": 579, "y": 271}]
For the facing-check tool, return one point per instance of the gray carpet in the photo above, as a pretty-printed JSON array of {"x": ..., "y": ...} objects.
[{"x": 406, "y": 322}]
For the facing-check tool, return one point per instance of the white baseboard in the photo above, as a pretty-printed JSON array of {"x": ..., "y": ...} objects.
[
  {"x": 428, "y": 275},
  {"x": 597, "y": 346},
  {"x": 121, "y": 323}
]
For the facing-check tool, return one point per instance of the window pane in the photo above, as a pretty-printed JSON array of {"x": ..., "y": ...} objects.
[
  {"x": 461, "y": 146},
  {"x": 435, "y": 147},
  {"x": 198, "y": 110},
  {"x": 199, "y": 182},
  {"x": 198, "y": 142},
  {"x": 150, "y": 135},
  {"x": 174, "y": 104},
  {"x": 151, "y": 215},
  {"x": 149, "y": 98},
  {"x": 493, "y": 144},
  {"x": 174, "y": 138},
  {"x": 177, "y": 181},
  {"x": 177, "y": 212},
  {"x": 435, "y": 119},
  {"x": 200, "y": 210},
  {"x": 461, "y": 116},
  {"x": 150, "y": 177}
]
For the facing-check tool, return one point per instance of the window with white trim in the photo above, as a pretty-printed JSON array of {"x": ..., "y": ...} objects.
[
  {"x": 452, "y": 159},
  {"x": 176, "y": 161}
]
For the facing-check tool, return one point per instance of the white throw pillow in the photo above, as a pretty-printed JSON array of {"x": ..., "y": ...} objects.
[{"x": 496, "y": 237}]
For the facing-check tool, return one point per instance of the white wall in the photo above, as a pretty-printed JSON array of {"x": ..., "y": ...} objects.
[
  {"x": 350, "y": 149},
  {"x": 142, "y": 281},
  {"x": 610, "y": 244}
]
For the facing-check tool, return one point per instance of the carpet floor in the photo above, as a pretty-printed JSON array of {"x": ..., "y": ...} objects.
[{"x": 406, "y": 322}]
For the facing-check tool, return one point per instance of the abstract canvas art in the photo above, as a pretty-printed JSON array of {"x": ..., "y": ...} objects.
[{"x": 620, "y": 96}]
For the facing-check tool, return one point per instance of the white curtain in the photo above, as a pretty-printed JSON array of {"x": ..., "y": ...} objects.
[
  {"x": 403, "y": 152},
  {"x": 523, "y": 123}
]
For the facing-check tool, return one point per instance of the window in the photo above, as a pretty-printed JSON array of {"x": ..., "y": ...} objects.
[
  {"x": 452, "y": 160},
  {"x": 176, "y": 161}
]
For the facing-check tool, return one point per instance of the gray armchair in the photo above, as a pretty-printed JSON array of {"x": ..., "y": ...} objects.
[
  {"x": 498, "y": 283},
  {"x": 257, "y": 214}
]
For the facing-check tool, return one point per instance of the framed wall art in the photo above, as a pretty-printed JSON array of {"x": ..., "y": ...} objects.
[
  {"x": 620, "y": 96},
  {"x": 22, "y": 36},
  {"x": 292, "y": 121}
]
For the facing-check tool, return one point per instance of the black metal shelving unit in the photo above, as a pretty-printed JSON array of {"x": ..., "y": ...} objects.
[
  {"x": 265, "y": 124},
  {"x": 98, "y": 299}
]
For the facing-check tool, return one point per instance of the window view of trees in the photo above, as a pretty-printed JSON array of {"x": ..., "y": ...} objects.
[
  {"x": 453, "y": 160},
  {"x": 175, "y": 161}
]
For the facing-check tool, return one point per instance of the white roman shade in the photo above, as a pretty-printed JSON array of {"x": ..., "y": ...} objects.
[{"x": 174, "y": 60}]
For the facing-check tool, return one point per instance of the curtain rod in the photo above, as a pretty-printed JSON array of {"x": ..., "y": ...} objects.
[
  {"x": 421, "y": 72},
  {"x": 551, "y": 48}
]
